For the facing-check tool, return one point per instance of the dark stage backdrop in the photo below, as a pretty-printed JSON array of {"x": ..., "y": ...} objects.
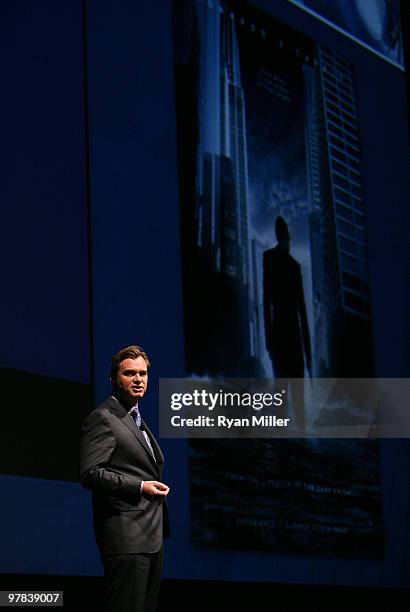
[
  {"x": 44, "y": 308},
  {"x": 130, "y": 217}
]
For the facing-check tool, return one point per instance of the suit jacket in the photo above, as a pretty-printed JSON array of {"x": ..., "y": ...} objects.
[
  {"x": 115, "y": 458},
  {"x": 286, "y": 324}
]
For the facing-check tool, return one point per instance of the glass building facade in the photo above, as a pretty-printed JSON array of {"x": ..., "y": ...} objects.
[{"x": 337, "y": 220}]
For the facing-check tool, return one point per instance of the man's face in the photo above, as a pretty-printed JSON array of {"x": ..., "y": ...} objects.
[{"x": 132, "y": 380}]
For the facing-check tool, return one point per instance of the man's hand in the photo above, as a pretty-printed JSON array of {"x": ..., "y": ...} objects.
[
  {"x": 153, "y": 487},
  {"x": 309, "y": 367}
]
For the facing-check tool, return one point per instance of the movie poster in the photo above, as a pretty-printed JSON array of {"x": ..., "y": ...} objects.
[{"x": 270, "y": 184}]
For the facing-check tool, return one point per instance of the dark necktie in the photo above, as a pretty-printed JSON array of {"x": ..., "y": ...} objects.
[{"x": 137, "y": 417}]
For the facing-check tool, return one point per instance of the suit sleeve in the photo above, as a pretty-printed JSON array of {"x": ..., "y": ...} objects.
[
  {"x": 267, "y": 303},
  {"x": 97, "y": 447}
]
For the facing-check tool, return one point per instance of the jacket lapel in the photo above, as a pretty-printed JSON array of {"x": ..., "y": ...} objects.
[
  {"x": 155, "y": 446},
  {"x": 122, "y": 413}
]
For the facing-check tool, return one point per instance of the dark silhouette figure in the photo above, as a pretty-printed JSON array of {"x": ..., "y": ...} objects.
[{"x": 286, "y": 325}]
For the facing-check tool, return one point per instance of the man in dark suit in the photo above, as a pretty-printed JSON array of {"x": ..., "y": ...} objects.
[
  {"x": 122, "y": 464},
  {"x": 286, "y": 324}
]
